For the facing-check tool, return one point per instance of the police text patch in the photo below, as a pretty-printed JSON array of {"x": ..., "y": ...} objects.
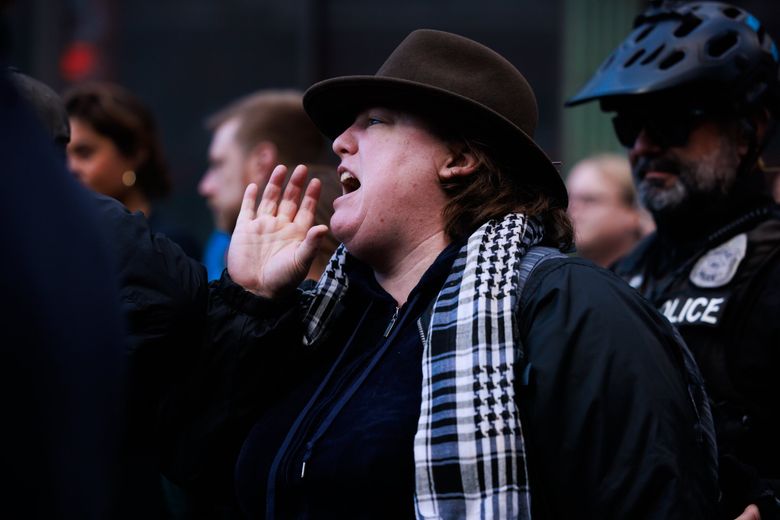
[{"x": 694, "y": 310}]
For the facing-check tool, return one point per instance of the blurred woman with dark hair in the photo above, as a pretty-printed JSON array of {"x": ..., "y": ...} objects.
[{"x": 115, "y": 150}]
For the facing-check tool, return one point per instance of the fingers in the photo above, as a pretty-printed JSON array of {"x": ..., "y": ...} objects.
[
  {"x": 292, "y": 193},
  {"x": 247, "y": 211},
  {"x": 307, "y": 213},
  {"x": 287, "y": 208},
  {"x": 272, "y": 191},
  {"x": 307, "y": 249}
]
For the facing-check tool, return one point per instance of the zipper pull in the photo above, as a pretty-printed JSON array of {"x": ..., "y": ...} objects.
[
  {"x": 306, "y": 455},
  {"x": 392, "y": 322}
]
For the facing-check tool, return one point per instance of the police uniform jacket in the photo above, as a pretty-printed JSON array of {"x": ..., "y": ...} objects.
[{"x": 722, "y": 291}]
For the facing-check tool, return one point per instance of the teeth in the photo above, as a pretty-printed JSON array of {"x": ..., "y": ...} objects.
[{"x": 349, "y": 182}]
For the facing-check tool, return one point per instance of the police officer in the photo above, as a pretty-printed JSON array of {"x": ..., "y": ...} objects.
[{"x": 694, "y": 91}]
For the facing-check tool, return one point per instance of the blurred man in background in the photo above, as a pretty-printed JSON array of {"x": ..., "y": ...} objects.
[
  {"x": 250, "y": 137},
  {"x": 608, "y": 221},
  {"x": 695, "y": 90}
]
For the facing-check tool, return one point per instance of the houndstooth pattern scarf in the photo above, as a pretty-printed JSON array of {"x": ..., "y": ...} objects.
[{"x": 469, "y": 449}]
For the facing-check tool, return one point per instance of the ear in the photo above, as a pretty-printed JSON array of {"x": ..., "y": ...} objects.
[
  {"x": 759, "y": 119},
  {"x": 261, "y": 160},
  {"x": 462, "y": 162}
]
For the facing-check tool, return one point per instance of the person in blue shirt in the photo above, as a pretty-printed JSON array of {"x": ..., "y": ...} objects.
[{"x": 249, "y": 137}]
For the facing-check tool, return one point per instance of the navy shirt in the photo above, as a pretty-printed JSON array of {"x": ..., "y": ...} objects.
[{"x": 360, "y": 462}]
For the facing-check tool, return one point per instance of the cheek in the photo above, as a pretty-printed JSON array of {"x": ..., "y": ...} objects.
[
  {"x": 92, "y": 169},
  {"x": 594, "y": 218},
  {"x": 232, "y": 190},
  {"x": 620, "y": 219},
  {"x": 103, "y": 172},
  {"x": 584, "y": 223},
  {"x": 108, "y": 166}
]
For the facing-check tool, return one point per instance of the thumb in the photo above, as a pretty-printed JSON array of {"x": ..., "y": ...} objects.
[
  {"x": 307, "y": 249},
  {"x": 751, "y": 513}
]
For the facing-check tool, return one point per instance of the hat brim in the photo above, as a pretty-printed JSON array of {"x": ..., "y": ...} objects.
[{"x": 334, "y": 103}]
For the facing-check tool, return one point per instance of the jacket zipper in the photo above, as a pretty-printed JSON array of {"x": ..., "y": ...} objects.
[
  {"x": 309, "y": 427},
  {"x": 422, "y": 334},
  {"x": 316, "y": 414},
  {"x": 306, "y": 455},
  {"x": 390, "y": 325},
  {"x": 301, "y": 424},
  {"x": 341, "y": 399}
]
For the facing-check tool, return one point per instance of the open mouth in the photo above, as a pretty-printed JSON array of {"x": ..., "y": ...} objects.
[{"x": 349, "y": 182}]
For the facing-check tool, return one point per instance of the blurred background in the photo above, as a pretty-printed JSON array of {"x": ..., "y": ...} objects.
[{"x": 188, "y": 58}]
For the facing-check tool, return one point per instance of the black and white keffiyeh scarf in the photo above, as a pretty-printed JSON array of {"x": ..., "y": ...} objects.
[{"x": 469, "y": 449}]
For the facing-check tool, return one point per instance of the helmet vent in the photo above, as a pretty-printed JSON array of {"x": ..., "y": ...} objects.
[
  {"x": 638, "y": 54},
  {"x": 720, "y": 45},
  {"x": 671, "y": 60},
  {"x": 653, "y": 56},
  {"x": 687, "y": 26},
  {"x": 641, "y": 36},
  {"x": 732, "y": 12},
  {"x": 608, "y": 62}
]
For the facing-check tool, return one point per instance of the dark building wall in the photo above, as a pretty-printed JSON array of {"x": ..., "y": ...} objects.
[{"x": 187, "y": 58}]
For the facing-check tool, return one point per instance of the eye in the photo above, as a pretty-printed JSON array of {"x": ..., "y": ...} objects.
[
  {"x": 371, "y": 121},
  {"x": 82, "y": 151}
]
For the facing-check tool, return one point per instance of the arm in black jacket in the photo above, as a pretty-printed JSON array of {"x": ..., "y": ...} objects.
[
  {"x": 163, "y": 299},
  {"x": 611, "y": 429},
  {"x": 253, "y": 354}
]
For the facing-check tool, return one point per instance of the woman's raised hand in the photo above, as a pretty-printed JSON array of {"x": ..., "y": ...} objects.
[{"x": 273, "y": 246}]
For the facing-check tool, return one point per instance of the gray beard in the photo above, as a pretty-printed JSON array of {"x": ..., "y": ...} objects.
[
  {"x": 659, "y": 200},
  {"x": 705, "y": 181}
]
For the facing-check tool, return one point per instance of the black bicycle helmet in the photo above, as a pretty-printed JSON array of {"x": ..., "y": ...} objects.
[{"x": 704, "y": 49}]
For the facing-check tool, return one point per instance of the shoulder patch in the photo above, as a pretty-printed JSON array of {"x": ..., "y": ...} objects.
[
  {"x": 718, "y": 266},
  {"x": 636, "y": 280}
]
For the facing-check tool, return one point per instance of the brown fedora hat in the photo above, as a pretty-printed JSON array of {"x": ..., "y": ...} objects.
[{"x": 469, "y": 84}]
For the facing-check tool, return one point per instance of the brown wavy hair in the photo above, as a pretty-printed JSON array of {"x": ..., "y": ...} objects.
[
  {"x": 113, "y": 112},
  {"x": 494, "y": 190}
]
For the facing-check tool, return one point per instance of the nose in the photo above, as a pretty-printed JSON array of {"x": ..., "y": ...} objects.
[
  {"x": 643, "y": 146},
  {"x": 345, "y": 143},
  {"x": 205, "y": 185},
  {"x": 73, "y": 165}
]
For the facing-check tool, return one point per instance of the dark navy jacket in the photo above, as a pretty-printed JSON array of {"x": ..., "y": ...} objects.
[{"x": 606, "y": 411}]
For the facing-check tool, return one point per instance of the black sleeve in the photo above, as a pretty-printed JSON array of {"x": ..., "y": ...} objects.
[
  {"x": 163, "y": 298},
  {"x": 163, "y": 295},
  {"x": 610, "y": 428},
  {"x": 251, "y": 352}
]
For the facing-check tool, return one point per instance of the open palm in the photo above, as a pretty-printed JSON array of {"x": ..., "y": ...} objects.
[{"x": 274, "y": 245}]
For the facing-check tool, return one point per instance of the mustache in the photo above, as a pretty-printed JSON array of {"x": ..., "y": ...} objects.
[{"x": 655, "y": 164}]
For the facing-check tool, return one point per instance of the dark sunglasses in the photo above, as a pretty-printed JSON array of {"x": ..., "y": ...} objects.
[{"x": 666, "y": 129}]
